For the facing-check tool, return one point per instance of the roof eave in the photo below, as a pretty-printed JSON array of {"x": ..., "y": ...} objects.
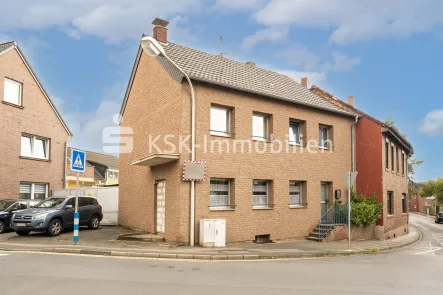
[
  {"x": 393, "y": 132},
  {"x": 274, "y": 97}
]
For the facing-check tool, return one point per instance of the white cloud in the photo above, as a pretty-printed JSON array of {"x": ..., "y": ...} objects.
[
  {"x": 354, "y": 21},
  {"x": 269, "y": 34},
  {"x": 341, "y": 63},
  {"x": 302, "y": 58},
  {"x": 432, "y": 124},
  {"x": 114, "y": 20},
  {"x": 229, "y": 5},
  {"x": 88, "y": 127}
]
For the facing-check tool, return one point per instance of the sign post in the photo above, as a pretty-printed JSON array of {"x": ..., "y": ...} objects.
[
  {"x": 350, "y": 179},
  {"x": 78, "y": 165}
]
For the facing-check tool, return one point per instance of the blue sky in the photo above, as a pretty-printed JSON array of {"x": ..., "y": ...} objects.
[{"x": 388, "y": 54}]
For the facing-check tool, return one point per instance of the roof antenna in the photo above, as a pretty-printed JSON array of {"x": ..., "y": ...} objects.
[{"x": 221, "y": 45}]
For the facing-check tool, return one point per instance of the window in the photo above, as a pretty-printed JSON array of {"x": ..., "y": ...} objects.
[
  {"x": 260, "y": 193},
  {"x": 392, "y": 158},
  {"x": 294, "y": 132},
  {"x": 387, "y": 154},
  {"x": 220, "y": 193},
  {"x": 82, "y": 202},
  {"x": 404, "y": 203},
  {"x": 33, "y": 191},
  {"x": 403, "y": 163},
  {"x": 390, "y": 204},
  {"x": 13, "y": 92},
  {"x": 398, "y": 160},
  {"x": 296, "y": 193},
  {"x": 35, "y": 147},
  {"x": 260, "y": 127},
  {"x": 323, "y": 137},
  {"x": 220, "y": 121}
]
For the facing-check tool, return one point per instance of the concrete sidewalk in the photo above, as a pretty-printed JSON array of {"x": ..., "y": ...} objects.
[{"x": 103, "y": 242}]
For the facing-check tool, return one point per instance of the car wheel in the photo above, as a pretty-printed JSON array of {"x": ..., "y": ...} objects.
[
  {"x": 23, "y": 232},
  {"x": 2, "y": 227},
  {"x": 94, "y": 223},
  {"x": 55, "y": 228}
]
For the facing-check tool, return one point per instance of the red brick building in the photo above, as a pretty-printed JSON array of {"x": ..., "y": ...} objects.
[
  {"x": 34, "y": 135},
  {"x": 381, "y": 161}
]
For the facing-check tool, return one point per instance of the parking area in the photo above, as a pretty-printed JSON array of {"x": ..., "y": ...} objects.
[{"x": 104, "y": 236}]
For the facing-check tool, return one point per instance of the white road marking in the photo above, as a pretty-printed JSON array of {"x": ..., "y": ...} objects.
[
  {"x": 432, "y": 250},
  {"x": 3, "y": 254}
]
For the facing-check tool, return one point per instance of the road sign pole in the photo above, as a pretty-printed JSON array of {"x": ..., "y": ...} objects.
[
  {"x": 78, "y": 165},
  {"x": 349, "y": 210},
  {"x": 76, "y": 215}
]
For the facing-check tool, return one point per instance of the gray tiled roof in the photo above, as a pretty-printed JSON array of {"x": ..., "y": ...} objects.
[
  {"x": 219, "y": 70},
  {"x": 5, "y": 46}
]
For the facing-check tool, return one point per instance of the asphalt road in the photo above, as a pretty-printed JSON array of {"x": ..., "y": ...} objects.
[{"x": 414, "y": 270}]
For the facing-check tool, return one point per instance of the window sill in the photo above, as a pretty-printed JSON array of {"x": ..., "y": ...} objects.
[
  {"x": 390, "y": 216},
  {"x": 13, "y": 105},
  {"x": 227, "y": 208},
  {"x": 221, "y": 134},
  {"x": 387, "y": 169},
  {"x": 262, "y": 207},
  {"x": 295, "y": 144},
  {"x": 298, "y": 206},
  {"x": 405, "y": 214},
  {"x": 35, "y": 159},
  {"x": 261, "y": 139}
]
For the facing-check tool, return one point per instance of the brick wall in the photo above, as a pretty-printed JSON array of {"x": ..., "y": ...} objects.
[
  {"x": 154, "y": 108},
  {"x": 358, "y": 233},
  {"x": 393, "y": 180},
  {"x": 37, "y": 118}
]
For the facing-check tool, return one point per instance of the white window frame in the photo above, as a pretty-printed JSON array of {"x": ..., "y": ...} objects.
[
  {"x": 227, "y": 132},
  {"x": 325, "y": 146},
  {"x": 265, "y": 136},
  {"x": 392, "y": 152},
  {"x": 224, "y": 206},
  {"x": 20, "y": 91},
  {"x": 261, "y": 206},
  {"x": 33, "y": 189},
  {"x": 301, "y": 203},
  {"x": 299, "y": 132},
  {"x": 33, "y": 138}
]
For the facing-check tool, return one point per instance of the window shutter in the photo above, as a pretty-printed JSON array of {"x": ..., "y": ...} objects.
[
  {"x": 25, "y": 188},
  {"x": 40, "y": 188}
]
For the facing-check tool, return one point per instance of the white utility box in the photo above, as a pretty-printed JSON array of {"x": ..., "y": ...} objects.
[{"x": 213, "y": 232}]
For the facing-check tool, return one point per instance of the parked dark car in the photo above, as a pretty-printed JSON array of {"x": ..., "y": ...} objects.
[
  {"x": 55, "y": 214},
  {"x": 11, "y": 206},
  {"x": 439, "y": 217}
]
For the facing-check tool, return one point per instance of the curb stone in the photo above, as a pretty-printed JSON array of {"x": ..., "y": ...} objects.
[{"x": 265, "y": 256}]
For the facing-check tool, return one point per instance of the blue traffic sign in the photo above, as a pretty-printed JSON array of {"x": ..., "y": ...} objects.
[{"x": 78, "y": 161}]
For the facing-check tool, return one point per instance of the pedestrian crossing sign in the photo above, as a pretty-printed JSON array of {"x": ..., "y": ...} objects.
[{"x": 78, "y": 161}]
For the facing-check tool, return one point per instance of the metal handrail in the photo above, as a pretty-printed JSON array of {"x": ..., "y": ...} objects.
[{"x": 337, "y": 214}]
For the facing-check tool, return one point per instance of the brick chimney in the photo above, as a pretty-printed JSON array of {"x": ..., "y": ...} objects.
[
  {"x": 304, "y": 81},
  {"x": 351, "y": 100},
  {"x": 160, "y": 30}
]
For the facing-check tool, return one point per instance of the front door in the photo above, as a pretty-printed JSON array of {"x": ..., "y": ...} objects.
[
  {"x": 160, "y": 190},
  {"x": 324, "y": 198}
]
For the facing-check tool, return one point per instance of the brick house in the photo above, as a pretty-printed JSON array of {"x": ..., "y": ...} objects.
[
  {"x": 278, "y": 195},
  {"x": 381, "y": 161},
  {"x": 32, "y": 152},
  {"x": 416, "y": 202}
]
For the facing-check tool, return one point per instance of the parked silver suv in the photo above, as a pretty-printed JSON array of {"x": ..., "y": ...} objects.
[{"x": 55, "y": 214}]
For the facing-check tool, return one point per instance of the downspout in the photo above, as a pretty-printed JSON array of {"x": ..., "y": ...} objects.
[
  {"x": 192, "y": 205},
  {"x": 353, "y": 144},
  {"x": 65, "y": 182}
]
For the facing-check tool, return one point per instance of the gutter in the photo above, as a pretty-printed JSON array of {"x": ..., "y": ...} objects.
[{"x": 353, "y": 143}]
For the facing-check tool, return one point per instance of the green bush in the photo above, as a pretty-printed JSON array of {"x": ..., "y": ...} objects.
[{"x": 365, "y": 211}]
